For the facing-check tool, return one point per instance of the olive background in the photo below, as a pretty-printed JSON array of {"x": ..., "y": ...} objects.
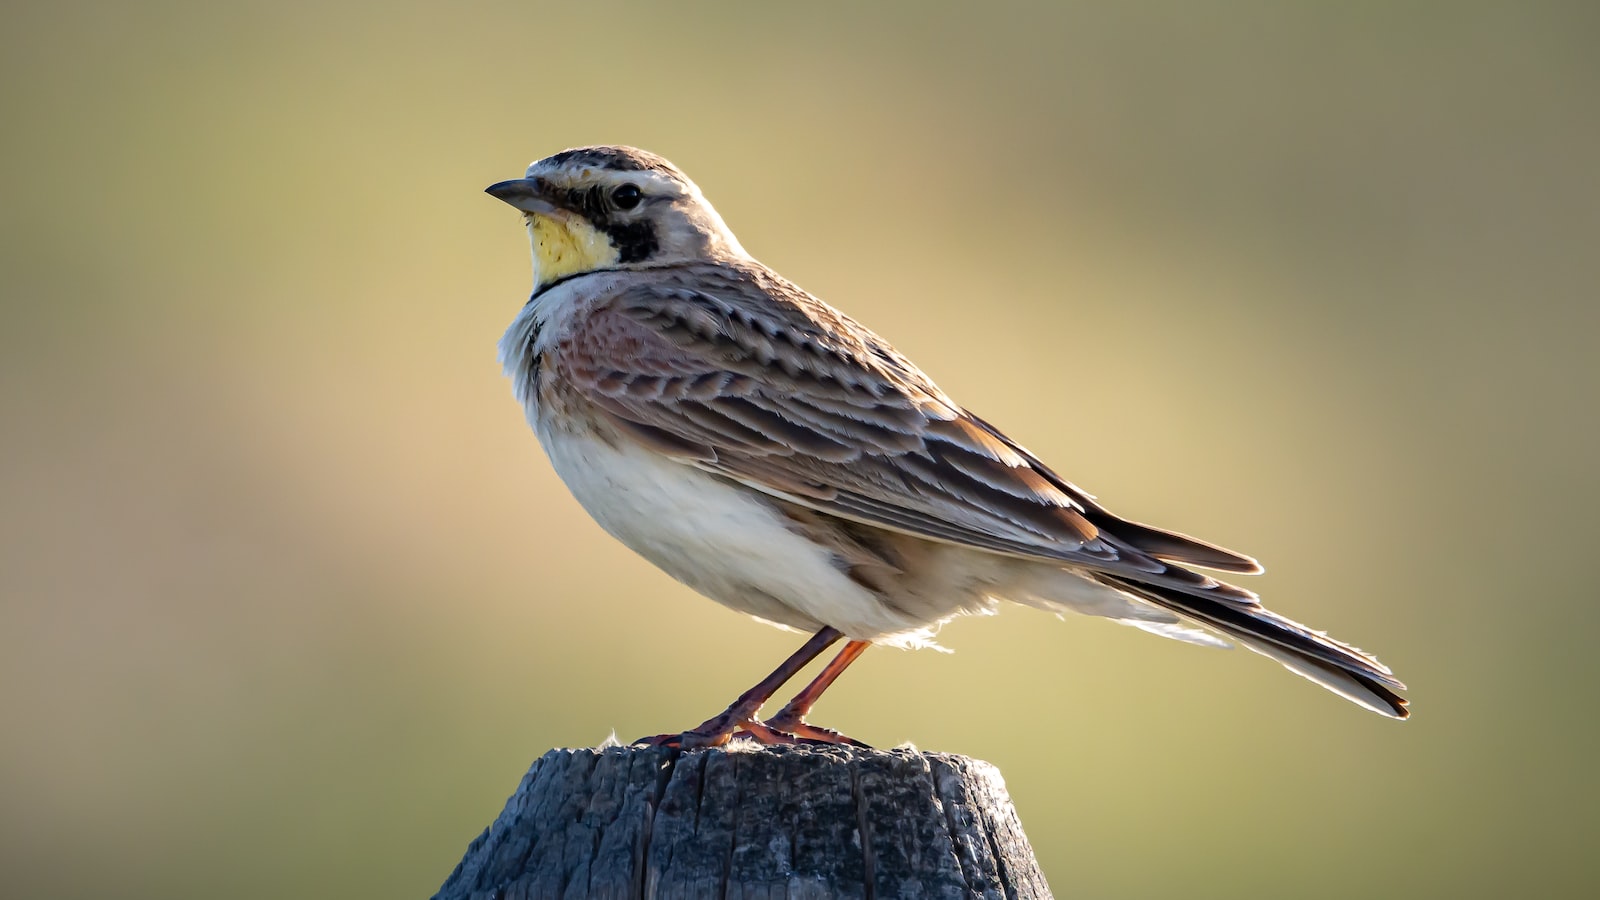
[{"x": 290, "y": 598}]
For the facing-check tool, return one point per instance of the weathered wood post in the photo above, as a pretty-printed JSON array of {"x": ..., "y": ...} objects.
[{"x": 751, "y": 822}]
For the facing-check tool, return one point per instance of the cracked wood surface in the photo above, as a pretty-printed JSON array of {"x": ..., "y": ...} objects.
[{"x": 757, "y": 822}]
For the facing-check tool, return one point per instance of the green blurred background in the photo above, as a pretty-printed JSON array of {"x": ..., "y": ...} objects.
[{"x": 289, "y": 597}]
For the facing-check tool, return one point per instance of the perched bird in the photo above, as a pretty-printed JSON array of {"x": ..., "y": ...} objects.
[{"x": 773, "y": 454}]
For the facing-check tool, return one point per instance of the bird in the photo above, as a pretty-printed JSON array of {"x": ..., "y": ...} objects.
[{"x": 778, "y": 457}]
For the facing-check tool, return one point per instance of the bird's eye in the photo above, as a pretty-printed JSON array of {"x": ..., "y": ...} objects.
[{"x": 626, "y": 196}]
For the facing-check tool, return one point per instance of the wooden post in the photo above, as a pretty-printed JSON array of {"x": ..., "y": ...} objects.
[{"x": 752, "y": 822}]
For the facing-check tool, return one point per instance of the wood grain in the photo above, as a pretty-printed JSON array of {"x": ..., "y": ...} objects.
[{"x": 752, "y": 823}]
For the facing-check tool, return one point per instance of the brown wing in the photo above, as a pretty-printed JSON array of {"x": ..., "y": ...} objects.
[
  {"x": 1158, "y": 542},
  {"x": 759, "y": 382}
]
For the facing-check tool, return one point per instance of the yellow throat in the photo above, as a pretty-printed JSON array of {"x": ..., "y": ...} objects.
[{"x": 566, "y": 244}]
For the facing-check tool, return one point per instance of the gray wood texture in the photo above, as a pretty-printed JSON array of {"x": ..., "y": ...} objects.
[{"x": 754, "y": 822}]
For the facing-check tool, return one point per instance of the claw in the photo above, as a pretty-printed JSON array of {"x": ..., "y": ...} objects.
[
  {"x": 761, "y": 734},
  {"x": 687, "y": 740},
  {"x": 809, "y": 733},
  {"x": 769, "y": 733}
]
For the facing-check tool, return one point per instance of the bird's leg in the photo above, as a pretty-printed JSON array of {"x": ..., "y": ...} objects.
[
  {"x": 715, "y": 731},
  {"x": 791, "y": 720}
]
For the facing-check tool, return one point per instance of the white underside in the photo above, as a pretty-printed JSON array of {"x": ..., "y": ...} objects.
[{"x": 725, "y": 541}]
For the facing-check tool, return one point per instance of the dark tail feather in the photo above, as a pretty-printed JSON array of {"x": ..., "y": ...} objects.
[
  {"x": 1174, "y": 547},
  {"x": 1336, "y": 666}
]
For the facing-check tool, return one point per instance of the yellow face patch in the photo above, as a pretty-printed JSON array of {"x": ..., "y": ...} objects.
[{"x": 566, "y": 245}]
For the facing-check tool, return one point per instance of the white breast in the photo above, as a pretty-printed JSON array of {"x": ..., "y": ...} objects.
[{"x": 725, "y": 541}]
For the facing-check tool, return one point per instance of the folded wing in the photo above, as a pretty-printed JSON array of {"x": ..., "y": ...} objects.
[{"x": 761, "y": 383}]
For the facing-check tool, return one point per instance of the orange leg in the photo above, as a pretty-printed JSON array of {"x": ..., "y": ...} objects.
[
  {"x": 791, "y": 720},
  {"x": 717, "y": 730}
]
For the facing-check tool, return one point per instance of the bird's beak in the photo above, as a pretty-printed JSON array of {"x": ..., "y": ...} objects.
[{"x": 522, "y": 193}]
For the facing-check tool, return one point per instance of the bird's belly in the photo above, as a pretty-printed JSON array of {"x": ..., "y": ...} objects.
[{"x": 728, "y": 542}]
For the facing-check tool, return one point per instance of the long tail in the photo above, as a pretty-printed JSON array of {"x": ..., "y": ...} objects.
[{"x": 1336, "y": 666}]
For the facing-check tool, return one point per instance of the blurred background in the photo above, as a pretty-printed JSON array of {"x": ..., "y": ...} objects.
[{"x": 290, "y": 598}]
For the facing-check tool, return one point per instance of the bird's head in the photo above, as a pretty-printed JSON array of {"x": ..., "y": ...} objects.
[{"x": 613, "y": 208}]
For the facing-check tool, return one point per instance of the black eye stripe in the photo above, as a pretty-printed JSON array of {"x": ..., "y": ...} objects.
[
  {"x": 634, "y": 237},
  {"x": 596, "y": 203}
]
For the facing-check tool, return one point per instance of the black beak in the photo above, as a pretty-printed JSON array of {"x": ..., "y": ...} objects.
[{"x": 525, "y": 194}]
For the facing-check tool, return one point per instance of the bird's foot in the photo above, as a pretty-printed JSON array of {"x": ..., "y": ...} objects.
[
  {"x": 713, "y": 732},
  {"x": 789, "y": 726},
  {"x": 790, "y": 732},
  {"x": 805, "y": 732},
  {"x": 687, "y": 740}
]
